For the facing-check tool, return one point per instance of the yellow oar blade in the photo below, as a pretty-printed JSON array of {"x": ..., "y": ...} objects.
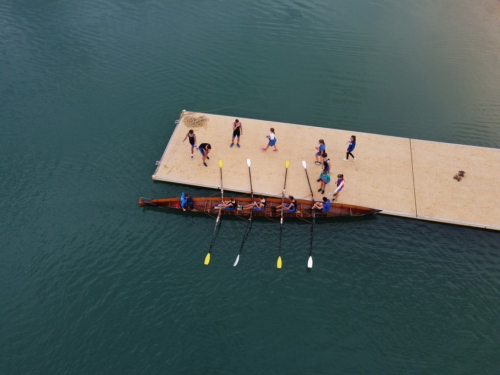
[
  {"x": 287, "y": 164},
  {"x": 220, "y": 163},
  {"x": 207, "y": 259},
  {"x": 279, "y": 262}
]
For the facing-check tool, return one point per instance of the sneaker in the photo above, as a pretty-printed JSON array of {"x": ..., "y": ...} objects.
[
  {"x": 317, "y": 162},
  {"x": 353, "y": 159},
  {"x": 231, "y": 145},
  {"x": 208, "y": 158},
  {"x": 345, "y": 159},
  {"x": 319, "y": 190},
  {"x": 318, "y": 180},
  {"x": 192, "y": 157},
  {"x": 205, "y": 164},
  {"x": 237, "y": 144},
  {"x": 264, "y": 149},
  {"x": 275, "y": 150},
  {"x": 322, "y": 192}
]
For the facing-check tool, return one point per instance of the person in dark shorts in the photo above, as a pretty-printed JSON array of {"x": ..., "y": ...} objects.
[
  {"x": 321, "y": 150},
  {"x": 350, "y": 148},
  {"x": 205, "y": 149},
  {"x": 230, "y": 204},
  {"x": 289, "y": 207},
  {"x": 340, "y": 186},
  {"x": 327, "y": 164},
  {"x": 257, "y": 205},
  {"x": 192, "y": 140},
  {"x": 237, "y": 131}
]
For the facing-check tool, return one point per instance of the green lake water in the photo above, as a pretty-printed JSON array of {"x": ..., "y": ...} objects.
[{"x": 90, "y": 283}]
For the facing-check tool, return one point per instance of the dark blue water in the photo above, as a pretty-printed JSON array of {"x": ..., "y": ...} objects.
[{"x": 92, "y": 284}]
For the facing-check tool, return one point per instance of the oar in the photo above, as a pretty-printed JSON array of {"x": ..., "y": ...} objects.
[
  {"x": 310, "y": 261},
  {"x": 249, "y": 225},
  {"x": 207, "y": 258},
  {"x": 287, "y": 164}
]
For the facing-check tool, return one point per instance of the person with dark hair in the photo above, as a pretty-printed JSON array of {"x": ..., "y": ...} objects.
[
  {"x": 230, "y": 204},
  {"x": 205, "y": 149},
  {"x": 324, "y": 178},
  {"x": 188, "y": 205},
  {"x": 321, "y": 150},
  {"x": 323, "y": 206},
  {"x": 272, "y": 140},
  {"x": 350, "y": 148},
  {"x": 237, "y": 131},
  {"x": 340, "y": 186},
  {"x": 192, "y": 140},
  {"x": 327, "y": 165},
  {"x": 257, "y": 206},
  {"x": 289, "y": 207}
]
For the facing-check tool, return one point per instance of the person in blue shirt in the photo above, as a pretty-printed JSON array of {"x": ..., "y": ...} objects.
[
  {"x": 323, "y": 206},
  {"x": 321, "y": 150},
  {"x": 289, "y": 207},
  {"x": 187, "y": 202},
  {"x": 350, "y": 148}
]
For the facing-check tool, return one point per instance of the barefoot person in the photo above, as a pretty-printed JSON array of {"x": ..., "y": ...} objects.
[
  {"x": 259, "y": 205},
  {"x": 205, "y": 149},
  {"x": 324, "y": 178},
  {"x": 340, "y": 186},
  {"x": 323, "y": 206},
  {"x": 350, "y": 148},
  {"x": 237, "y": 131},
  {"x": 289, "y": 207},
  {"x": 272, "y": 140},
  {"x": 192, "y": 140},
  {"x": 321, "y": 150}
]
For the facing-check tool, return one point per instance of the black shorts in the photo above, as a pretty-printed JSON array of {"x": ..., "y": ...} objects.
[{"x": 236, "y": 133}]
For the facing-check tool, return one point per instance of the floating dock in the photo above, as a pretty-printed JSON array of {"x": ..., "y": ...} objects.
[{"x": 401, "y": 176}]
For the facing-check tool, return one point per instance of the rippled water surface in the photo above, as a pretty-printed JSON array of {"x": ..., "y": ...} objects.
[{"x": 92, "y": 284}]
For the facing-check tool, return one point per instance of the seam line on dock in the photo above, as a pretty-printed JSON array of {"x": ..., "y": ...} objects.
[{"x": 413, "y": 177}]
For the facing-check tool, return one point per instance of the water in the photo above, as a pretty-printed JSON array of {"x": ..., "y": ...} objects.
[{"x": 92, "y": 284}]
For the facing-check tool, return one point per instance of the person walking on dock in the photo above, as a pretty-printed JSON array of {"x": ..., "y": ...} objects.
[
  {"x": 340, "y": 186},
  {"x": 192, "y": 140},
  {"x": 324, "y": 178},
  {"x": 237, "y": 131},
  {"x": 205, "y": 149},
  {"x": 272, "y": 140},
  {"x": 350, "y": 148},
  {"x": 321, "y": 150},
  {"x": 323, "y": 206}
]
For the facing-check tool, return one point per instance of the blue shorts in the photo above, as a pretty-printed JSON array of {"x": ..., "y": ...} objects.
[
  {"x": 292, "y": 210},
  {"x": 272, "y": 142},
  {"x": 338, "y": 191},
  {"x": 202, "y": 152},
  {"x": 259, "y": 209},
  {"x": 230, "y": 208},
  {"x": 318, "y": 153},
  {"x": 192, "y": 146}
]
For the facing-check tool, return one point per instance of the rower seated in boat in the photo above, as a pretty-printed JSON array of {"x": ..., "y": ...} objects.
[
  {"x": 187, "y": 203},
  {"x": 289, "y": 207},
  {"x": 323, "y": 206},
  {"x": 259, "y": 205},
  {"x": 230, "y": 204}
]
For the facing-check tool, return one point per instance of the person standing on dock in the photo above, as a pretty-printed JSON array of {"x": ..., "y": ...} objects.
[
  {"x": 205, "y": 149},
  {"x": 340, "y": 186},
  {"x": 327, "y": 164},
  {"x": 192, "y": 140},
  {"x": 272, "y": 140},
  {"x": 237, "y": 131},
  {"x": 350, "y": 148},
  {"x": 324, "y": 178},
  {"x": 321, "y": 150}
]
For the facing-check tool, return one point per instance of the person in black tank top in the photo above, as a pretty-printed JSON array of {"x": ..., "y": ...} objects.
[
  {"x": 237, "y": 131},
  {"x": 192, "y": 140}
]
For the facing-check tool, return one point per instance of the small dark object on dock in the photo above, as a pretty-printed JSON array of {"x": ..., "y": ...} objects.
[
  {"x": 461, "y": 173},
  {"x": 457, "y": 178}
]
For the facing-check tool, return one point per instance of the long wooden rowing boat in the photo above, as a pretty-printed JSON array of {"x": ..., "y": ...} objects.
[{"x": 209, "y": 206}]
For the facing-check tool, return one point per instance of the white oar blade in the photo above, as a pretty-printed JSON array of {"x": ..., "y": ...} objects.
[
  {"x": 304, "y": 164},
  {"x": 237, "y": 260},
  {"x": 249, "y": 162},
  {"x": 310, "y": 262}
]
